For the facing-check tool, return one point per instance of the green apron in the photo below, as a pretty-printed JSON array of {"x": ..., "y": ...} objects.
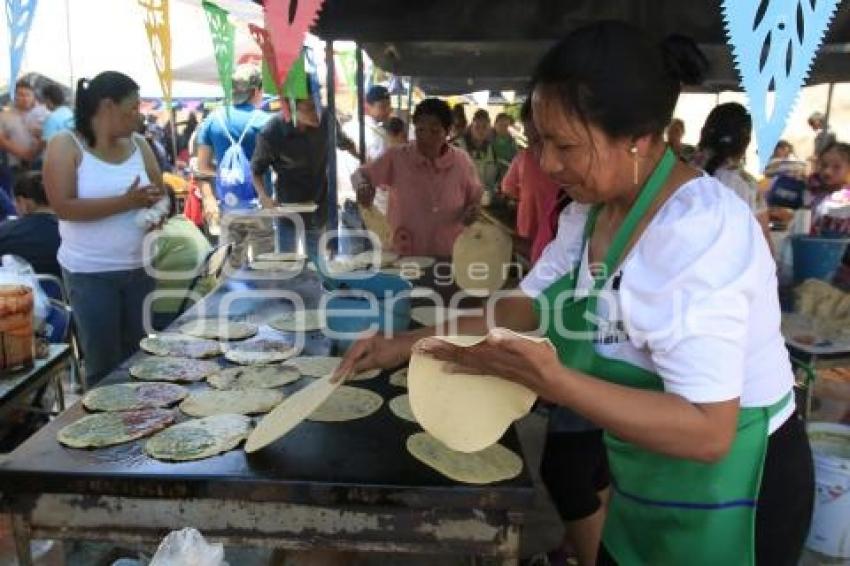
[{"x": 663, "y": 510}]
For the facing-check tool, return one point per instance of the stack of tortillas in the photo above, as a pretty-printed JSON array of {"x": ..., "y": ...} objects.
[
  {"x": 480, "y": 258},
  {"x": 377, "y": 223},
  {"x": 466, "y": 412}
]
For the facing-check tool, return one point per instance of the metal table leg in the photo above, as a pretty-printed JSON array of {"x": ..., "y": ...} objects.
[{"x": 21, "y": 534}]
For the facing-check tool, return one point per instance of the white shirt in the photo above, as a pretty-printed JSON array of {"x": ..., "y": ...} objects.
[
  {"x": 22, "y": 127},
  {"x": 697, "y": 301},
  {"x": 743, "y": 187},
  {"x": 113, "y": 243},
  {"x": 376, "y": 137}
]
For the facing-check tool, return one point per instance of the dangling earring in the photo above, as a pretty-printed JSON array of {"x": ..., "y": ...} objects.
[{"x": 634, "y": 152}]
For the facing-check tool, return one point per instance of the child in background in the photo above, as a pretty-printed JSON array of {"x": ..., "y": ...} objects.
[
  {"x": 828, "y": 194},
  {"x": 504, "y": 144},
  {"x": 396, "y": 131}
]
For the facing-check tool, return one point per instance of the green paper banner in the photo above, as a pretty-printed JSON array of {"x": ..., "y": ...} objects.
[
  {"x": 295, "y": 86},
  {"x": 223, "y": 36}
]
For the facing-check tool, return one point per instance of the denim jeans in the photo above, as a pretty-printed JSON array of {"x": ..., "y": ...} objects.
[
  {"x": 288, "y": 239},
  {"x": 108, "y": 316}
]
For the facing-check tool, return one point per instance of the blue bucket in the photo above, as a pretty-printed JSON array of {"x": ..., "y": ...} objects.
[
  {"x": 350, "y": 310},
  {"x": 816, "y": 257}
]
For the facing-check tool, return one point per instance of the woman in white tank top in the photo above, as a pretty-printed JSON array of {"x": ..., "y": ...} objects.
[{"x": 97, "y": 177}]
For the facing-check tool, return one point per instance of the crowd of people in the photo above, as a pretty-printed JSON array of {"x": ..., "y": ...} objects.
[{"x": 596, "y": 184}]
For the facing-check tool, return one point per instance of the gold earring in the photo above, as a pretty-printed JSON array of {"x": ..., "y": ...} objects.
[{"x": 634, "y": 152}]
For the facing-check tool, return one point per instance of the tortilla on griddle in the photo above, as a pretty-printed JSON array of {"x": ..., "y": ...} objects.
[
  {"x": 219, "y": 329},
  {"x": 107, "y": 429},
  {"x": 172, "y": 369},
  {"x": 400, "y": 407},
  {"x": 259, "y": 351},
  {"x": 197, "y": 439},
  {"x": 180, "y": 346},
  {"x": 230, "y": 401},
  {"x": 493, "y": 464},
  {"x": 399, "y": 378},
  {"x": 320, "y": 366},
  {"x": 251, "y": 377},
  {"x": 347, "y": 404},
  {"x": 301, "y": 321},
  {"x": 133, "y": 396}
]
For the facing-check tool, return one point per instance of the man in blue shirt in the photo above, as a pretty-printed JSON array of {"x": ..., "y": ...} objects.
[
  {"x": 61, "y": 117},
  {"x": 214, "y": 140}
]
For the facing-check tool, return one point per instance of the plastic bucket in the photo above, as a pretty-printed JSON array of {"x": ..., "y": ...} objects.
[
  {"x": 830, "y": 530},
  {"x": 816, "y": 258}
]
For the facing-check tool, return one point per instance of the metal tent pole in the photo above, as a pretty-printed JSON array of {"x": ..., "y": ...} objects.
[
  {"x": 361, "y": 101},
  {"x": 828, "y": 103},
  {"x": 409, "y": 104},
  {"x": 332, "y": 188}
]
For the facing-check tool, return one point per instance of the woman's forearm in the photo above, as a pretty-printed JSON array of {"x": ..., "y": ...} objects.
[
  {"x": 658, "y": 421},
  {"x": 84, "y": 210}
]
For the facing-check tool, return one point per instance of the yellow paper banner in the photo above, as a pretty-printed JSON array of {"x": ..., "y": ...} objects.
[{"x": 158, "y": 29}]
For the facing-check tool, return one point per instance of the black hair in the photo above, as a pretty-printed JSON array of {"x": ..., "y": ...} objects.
[
  {"x": 526, "y": 112},
  {"x": 435, "y": 107},
  {"x": 395, "y": 126},
  {"x": 841, "y": 148},
  {"x": 53, "y": 94},
  {"x": 782, "y": 144},
  {"x": 110, "y": 85},
  {"x": 726, "y": 133},
  {"x": 504, "y": 116},
  {"x": 612, "y": 75},
  {"x": 30, "y": 185},
  {"x": 481, "y": 114},
  {"x": 459, "y": 115},
  {"x": 24, "y": 83}
]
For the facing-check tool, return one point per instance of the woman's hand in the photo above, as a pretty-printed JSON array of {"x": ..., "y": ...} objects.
[
  {"x": 143, "y": 197},
  {"x": 470, "y": 214},
  {"x": 371, "y": 353},
  {"x": 503, "y": 354},
  {"x": 267, "y": 202},
  {"x": 365, "y": 194}
]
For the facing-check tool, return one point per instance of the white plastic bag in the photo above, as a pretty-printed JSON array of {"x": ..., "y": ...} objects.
[
  {"x": 187, "y": 547},
  {"x": 16, "y": 271}
]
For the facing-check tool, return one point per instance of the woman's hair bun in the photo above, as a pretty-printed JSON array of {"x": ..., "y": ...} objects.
[{"x": 684, "y": 60}]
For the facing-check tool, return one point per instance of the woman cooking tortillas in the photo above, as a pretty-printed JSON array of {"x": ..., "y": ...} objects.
[{"x": 660, "y": 296}]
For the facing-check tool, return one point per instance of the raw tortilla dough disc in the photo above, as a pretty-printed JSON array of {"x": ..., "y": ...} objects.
[
  {"x": 422, "y": 262},
  {"x": 347, "y": 404},
  {"x": 290, "y": 413},
  {"x": 254, "y": 377},
  {"x": 399, "y": 378},
  {"x": 199, "y": 438},
  {"x": 172, "y": 369},
  {"x": 493, "y": 464},
  {"x": 466, "y": 412},
  {"x": 320, "y": 366},
  {"x": 374, "y": 258},
  {"x": 282, "y": 256},
  {"x": 287, "y": 266},
  {"x": 180, "y": 346},
  {"x": 230, "y": 401},
  {"x": 376, "y": 223},
  {"x": 215, "y": 329},
  {"x": 400, "y": 406},
  {"x": 107, "y": 429},
  {"x": 478, "y": 259},
  {"x": 302, "y": 321},
  {"x": 259, "y": 351},
  {"x": 408, "y": 272},
  {"x": 432, "y": 315},
  {"x": 133, "y": 396}
]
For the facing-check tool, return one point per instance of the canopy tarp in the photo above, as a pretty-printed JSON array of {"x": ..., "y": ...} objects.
[{"x": 493, "y": 44}]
